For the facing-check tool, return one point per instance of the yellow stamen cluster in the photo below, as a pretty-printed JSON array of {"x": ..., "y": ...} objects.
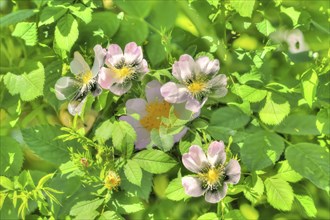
[
  {"x": 196, "y": 87},
  {"x": 155, "y": 112},
  {"x": 123, "y": 72},
  {"x": 86, "y": 77},
  {"x": 112, "y": 180},
  {"x": 212, "y": 176}
]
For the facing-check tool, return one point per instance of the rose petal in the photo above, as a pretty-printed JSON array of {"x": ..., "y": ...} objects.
[
  {"x": 208, "y": 66},
  {"x": 195, "y": 160},
  {"x": 136, "y": 106},
  {"x": 187, "y": 67},
  {"x": 174, "y": 93},
  {"x": 75, "y": 107},
  {"x": 133, "y": 53},
  {"x": 119, "y": 88},
  {"x": 114, "y": 55},
  {"x": 216, "y": 153},
  {"x": 192, "y": 186},
  {"x": 66, "y": 88},
  {"x": 216, "y": 196},
  {"x": 143, "y": 136},
  {"x": 180, "y": 135},
  {"x": 194, "y": 105},
  {"x": 106, "y": 78},
  {"x": 233, "y": 171},
  {"x": 98, "y": 60},
  {"x": 153, "y": 91},
  {"x": 78, "y": 65}
]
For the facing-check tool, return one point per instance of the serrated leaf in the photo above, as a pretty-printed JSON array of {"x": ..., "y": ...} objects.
[
  {"x": 298, "y": 125},
  {"x": 229, "y": 117},
  {"x": 311, "y": 161},
  {"x": 234, "y": 214},
  {"x": 254, "y": 188},
  {"x": 279, "y": 194},
  {"x": 123, "y": 137},
  {"x": 28, "y": 86},
  {"x": 244, "y": 8},
  {"x": 261, "y": 149},
  {"x": 42, "y": 140},
  {"x": 126, "y": 203},
  {"x": 110, "y": 215},
  {"x": 51, "y": 14},
  {"x": 66, "y": 32},
  {"x": 6, "y": 183},
  {"x": 162, "y": 140},
  {"x": 85, "y": 207},
  {"x": 307, "y": 204},
  {"x": 323, "y": 122},
  {"x": 133, "y": 172},
  {"x": 82, "y": 12},
  {"x": 309, "y": 84},
  {"x": 142, "y": 191},
  {"x": 16, "y": 17},
  {"x": 275, "y": 110},
  {"x": 208, "y": 216},
  {"x": 292, "y": 13},
  {"x": 11, "y": 157},
  {"x": 175, "y": 190},
  {"x": 154, "y": 161},
  {"x": 104, "y": 131},
  {"x": 249, "y": 93},
  {"x": 26, "y": 31},
  {"x": 285, "y": 172},
  {"x": 265, "y": 27}
]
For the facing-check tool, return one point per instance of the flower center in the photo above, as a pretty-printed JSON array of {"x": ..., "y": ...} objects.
[
  {"x": 112, "y": 180},
  {"x": 86, "y": 77},
  {"x": 196, "y": 87},
  {"x": 123, "y": 72},
  {"x": 155, "y": 112},
  {"x": 212, "y": 177}
]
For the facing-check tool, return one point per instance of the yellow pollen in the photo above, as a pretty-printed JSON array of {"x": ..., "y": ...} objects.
[
  {"x": 123, "y": 72},
  {"x": 196, "y": 87},
  {"x": 112, "y": 180},
  {"x": 86, "y": 77},
  {"x": 155, "y": 112},
  {"x": 211, "y": 177}
]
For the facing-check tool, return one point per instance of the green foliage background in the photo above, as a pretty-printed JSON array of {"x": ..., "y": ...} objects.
[{"x": 275, "y": 117}]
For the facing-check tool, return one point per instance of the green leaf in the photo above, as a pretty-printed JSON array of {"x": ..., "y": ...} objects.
[
  {"x": 155, "y": 50},
  {"x": 42, "y": 140},
  {"x": 85, "y": 207},
  {"x": 110, "y": 215},
  {"x": 265, "y": 27},
  {"x": 275, "y": 109},
  {"x": 104, "y": 131},
  {"x": 229, "y": 117},
  {"x": 244, "y": 8},
  {"x": 223, "y": 133},
  {"x": 292, "y": 13},
  {"x": 26, "y": 31},
  {"x": 125, "y": 203},
  {"x": 307, "y": 204},
  {"x": 249, "y": 93},
  {"x": 298, "y": 125},
  {"x": 142, "y": 191},
  {"x": 254, "y": 188},
  {"x": 234, "y": 214},
  {"x": 28, "y": 86},
  {"x": 279, "y": 194},
  {"x": 261, "y": 150},
  {"x": 154, "y": 161},
  {"x": 311, "y": 161},
  {"x": 11, "y": 157},
  {"x": 51, "y": 14},
  {"x": 285, "y": 172},
  {"x": 208, "y": 216},
  {"x": 162, "y": 140},
  {"x": 175, "y": 190},
  {"x": 131, "y": 29},
  {"x": 323, "y": 122},
  {"x": 136, "y": 8},
  {"x": 123, "y": 137},
  {"x": 16, "y": 17},
  {"x": 6, "y": 183},
  {"x": 309, "y": 84},
  {"x": 133, "y": 172},
  {"x": 82, "y": 12},
  {"x": 66, "y": 32},
  {"x": 159, "y": 19}
]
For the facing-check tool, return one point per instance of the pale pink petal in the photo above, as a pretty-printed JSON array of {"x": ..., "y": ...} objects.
[
  {"x": 66, "y": 87},
  {"x": 114, "y": 55},
  {"x": 194, "y": 105},
  {"x": 192, "y": 186},
  {"x": 133, "y": 53},
  {"x": 180, "y": 135},
  {"x": 174, "y": 93},
  {"x": 75, "y": 107},
  {"x": 143, "y": 136},
  {"x": 296, "y": 43},
  {"x": 218, "y": 81},
  {"x": 99, "y": 59},
  {"x": 208, "y": 66},
  {"x": 187, "y": 67},
  {"x": 176, "y": 71},
  {"x": 119, "y": 88},
  {"x": 78, "y": 65},
  {"x": 106, "y": 78},
  {"x": 195, "y": 160},
  {"x": 216, "y": 196},
  {"x": 136, "y": 105},
  {"x": 233, "y": 172},
  {"x": 153, "y": 91},
  {"x": 216, "y": 153}
]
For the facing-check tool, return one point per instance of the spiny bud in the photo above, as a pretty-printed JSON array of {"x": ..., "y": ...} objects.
[{"x": 112, "y": 180}]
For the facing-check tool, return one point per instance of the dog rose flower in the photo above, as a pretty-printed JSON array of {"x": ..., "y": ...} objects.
[
  {"x": 213, "y": 174},
  {"x": 197, "y": 80}
]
